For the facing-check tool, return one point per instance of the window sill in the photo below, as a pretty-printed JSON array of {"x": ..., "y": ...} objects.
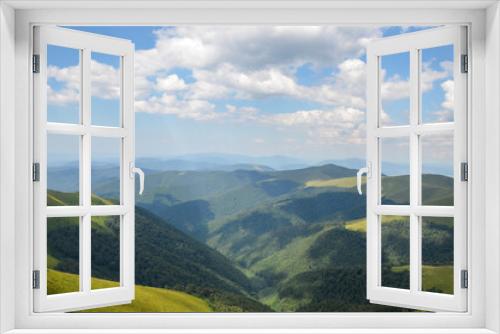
[{"x": 254, "y": 331}]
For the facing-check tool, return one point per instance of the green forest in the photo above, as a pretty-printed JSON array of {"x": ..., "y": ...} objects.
[{"x": 252, "y": 240}]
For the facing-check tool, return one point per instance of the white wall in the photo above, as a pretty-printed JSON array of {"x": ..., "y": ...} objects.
[
  {"x": 7, "y": 160},
  {"x": 492, "y": 188}
]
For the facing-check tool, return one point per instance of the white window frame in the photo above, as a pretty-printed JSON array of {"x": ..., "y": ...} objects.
[
  {"x": 85, "y": 43},
  {"x": 413, "y": 43},
  {"x": 16, "y": 20}
]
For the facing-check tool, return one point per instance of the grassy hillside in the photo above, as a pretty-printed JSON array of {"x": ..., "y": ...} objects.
[
  {"x": 342, "y": 182},
  {"x": 359, "y": 225},
  {"x": 165, "y": 258},
  {"x": 434, "y": 278},
  {"x": 147, "y": 299}
]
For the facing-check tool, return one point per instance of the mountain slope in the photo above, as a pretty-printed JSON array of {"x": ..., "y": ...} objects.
[
  {"x": 289, "y": 231},
  {"x": 165, "y": 258},
  {"x": 147, "y": 299}
]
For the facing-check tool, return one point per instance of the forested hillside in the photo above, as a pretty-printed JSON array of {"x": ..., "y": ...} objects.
[{"x": 259, "y": 239}]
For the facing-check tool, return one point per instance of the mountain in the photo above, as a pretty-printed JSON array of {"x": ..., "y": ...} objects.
[
  {"x": 155, "y": 164},
  {"x": 391, "y": 168},
  {"x": 292, "y": 233},
  {"x": 197, "y": 201},
  {"x": 165, "y": 258},
  {"x": 284, "y": 227},
  {"x": 220, "y": 161}
]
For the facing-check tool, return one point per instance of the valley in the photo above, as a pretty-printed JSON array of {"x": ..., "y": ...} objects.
[{"x": 255, "y": 239}]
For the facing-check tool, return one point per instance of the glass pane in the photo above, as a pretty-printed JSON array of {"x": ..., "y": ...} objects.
[
  {"x": 436, "y": 84},
  {"x": 395, "y": 89},
  {"x": 437, "y": 254},
  {"x": 63, "y": 170},
  {"x": 63, "y": 84},
  {"x": 106, "y": 156},
  {"x": 395, "y": 233},
  {"x": 105, "y": 251},
  {"x": 106, "y": 89},
  {"x": 63, "y": 255},
  {"x": 437, "y": 169},
  {"x": 395, "y": 171}
]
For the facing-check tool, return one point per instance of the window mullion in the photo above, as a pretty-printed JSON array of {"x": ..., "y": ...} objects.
[
  {"x": 415, "y": 267},
  {"x": 85, "y": 170}
]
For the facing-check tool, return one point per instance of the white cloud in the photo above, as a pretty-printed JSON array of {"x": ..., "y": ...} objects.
[
  {"x": 245, "y": 110},
  {"x": 105, "y": 83},
  {"x": 246, "y": 85},
  {"x": 226, "y": 81},
  {"x": 170, "y": 83},
  {"x": 429, "y": 75},
  {"x": 252, "y": 47},
  {"x": 247, "y": 63},
  {"x": 62, "y": 97},
  {"x": 446, "y": 113},
  {"x": 394, "y": 88},
  {"x": 397, "y": 88},
  {"x": 339, "y": 125},
  {"x": 170, "y": 104},
  {"x": 449, "y": 91},
  {"x": 69, "y": 80}
]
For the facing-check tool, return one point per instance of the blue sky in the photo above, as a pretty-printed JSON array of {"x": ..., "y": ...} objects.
[{"x": 295, "y": 91}]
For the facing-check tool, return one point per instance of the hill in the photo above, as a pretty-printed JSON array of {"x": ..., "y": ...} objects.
[
  {"x": 289, "y": 232},
  {"x": 165, "y": 258},
  {"x": 147, "y": 299}
]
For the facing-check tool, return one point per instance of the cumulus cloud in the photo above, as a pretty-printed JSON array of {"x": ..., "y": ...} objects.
[
  {"x": 446, "y": 113},
  {"x": 252, "y": 47},
  {"x": 339, "y": 125},
  {"x": 105, "y": 83},
  {"x": 394, "y": 88},
  {"x": 397, "y": 88},
  {"x": 253, "y": 63},
  {"x": 171, "y": 105},
  {"x": 69, "y": 79},
  {"x": 105, "y": 80},
  {"x": 227, "y": 81},
  {"x": 246, "y": 85},
  {"x": 170, "y": 83},
  {"x": 429, "y": 75},
  {"x": 449, "y": 88}
]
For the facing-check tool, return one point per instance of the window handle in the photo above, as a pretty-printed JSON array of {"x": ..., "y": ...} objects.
[
  {"x": 135, "y": 170},
  {"x": 365, "y": 170}
]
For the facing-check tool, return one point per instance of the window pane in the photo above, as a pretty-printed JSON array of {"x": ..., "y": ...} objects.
[
  {"x": 106, "y": 89},
  {"x": 437, "y": 169},
  {"x": 395, "y": 89},
  {"x": 106, "y": 156},
  {"x": 395, "y": 233},
  {"x": 63, "y": 255},
  {"x": 105, "y": 251},
  {"x": 63, "y": 170},
  {"x": 437, "y": 84},
  {"x": 395, "y": 171},
  {"x": 63, "y": 84},
  {"x": 437, "y": 254}
]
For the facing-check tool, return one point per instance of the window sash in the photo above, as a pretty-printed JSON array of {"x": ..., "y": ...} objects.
[
  {"x": 86, "y": 297},
  {"x": 414, "y": 298}
]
